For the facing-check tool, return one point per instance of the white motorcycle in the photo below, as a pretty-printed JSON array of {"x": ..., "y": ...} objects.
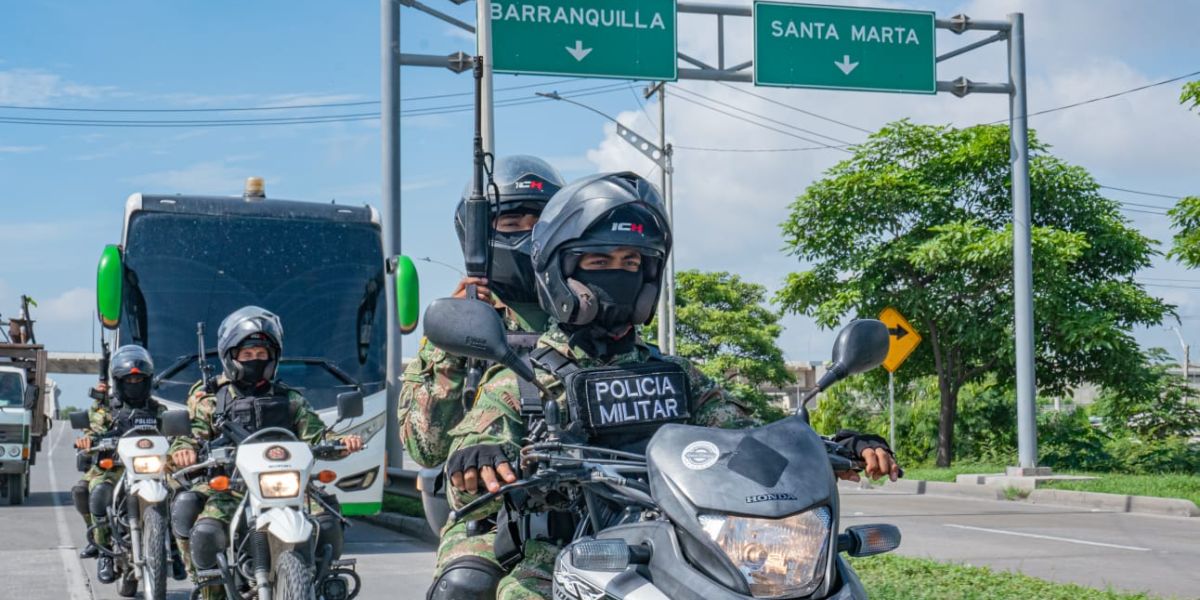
[
  {"x": 273, "y": 554},
  {"x": 140, "y": 537}
]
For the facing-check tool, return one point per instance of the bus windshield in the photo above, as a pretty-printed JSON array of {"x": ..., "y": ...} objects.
[{"x": 324, "y": 278}]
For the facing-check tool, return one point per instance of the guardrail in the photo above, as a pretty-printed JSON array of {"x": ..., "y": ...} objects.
[{"x": 402, "y": 482}]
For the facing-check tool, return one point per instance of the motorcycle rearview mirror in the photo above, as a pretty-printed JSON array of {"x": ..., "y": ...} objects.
[
  {"x": 176, "y": 423},
  {"x": 861, "y": 346},
  {"x": 349, "y": 405},
  {"x": 79, "y": 419},
  {"x": 471, "y": 328}
]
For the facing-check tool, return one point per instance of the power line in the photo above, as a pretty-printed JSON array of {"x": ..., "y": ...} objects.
[
  {"x": 764, "y": 117},
  {"x": 795, "y": 108},
  {"x": 741, "y": 118},
  {"x": 638, "y": 97},
  {"x": 1113, "y": 95},
  {"x": 1154, "y": 194},
  {"x": 747, "y": 150}
]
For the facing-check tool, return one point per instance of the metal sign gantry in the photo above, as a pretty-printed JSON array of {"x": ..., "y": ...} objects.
[{"x": 1011, "y": 31}]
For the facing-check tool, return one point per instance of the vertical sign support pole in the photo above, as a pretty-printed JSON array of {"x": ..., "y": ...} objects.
[
  {"x": 389, "y": 63},
  {"x": 670, "y": 170},
  {"x": 1022, "y": 247},
  {"x": 666, "y": 300},
  {"x": 483, "y": 47},
  {"x": 892, "y": 410}
]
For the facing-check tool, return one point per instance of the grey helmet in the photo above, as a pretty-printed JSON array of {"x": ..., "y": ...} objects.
[
  {"x": 598, "y": 214},
  {"x": 127, "y": 360},
  {"x": 523, "y": 183},
  {"x": 246, "y": 325}
]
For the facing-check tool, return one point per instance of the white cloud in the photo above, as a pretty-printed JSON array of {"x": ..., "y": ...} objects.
[
  {"x": 20, "y": 149},
  {"x": 210, "y": 177},
  {"x": 76, "y": 305},
  {"x": 37, "y": 88}
]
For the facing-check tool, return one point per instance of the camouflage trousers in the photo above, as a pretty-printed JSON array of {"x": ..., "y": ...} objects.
[
  {"x": 217, "y": 505},
  {"x": 530, "y": 579},
  {"x": 94, "y": 477}
]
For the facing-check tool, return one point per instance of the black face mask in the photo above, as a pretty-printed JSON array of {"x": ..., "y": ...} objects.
[
  {"x": 616, "y": 290},
  {"x": 254, "y": 372},
  {"x": 512, "y": 276},
  {"x": 134, "y": 394}
]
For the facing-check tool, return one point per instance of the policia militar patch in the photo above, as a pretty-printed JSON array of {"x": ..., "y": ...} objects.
[{"x": 629, "y": 397}]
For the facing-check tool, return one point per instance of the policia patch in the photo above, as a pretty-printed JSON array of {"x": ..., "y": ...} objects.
[{"x": 630, "y": 397}]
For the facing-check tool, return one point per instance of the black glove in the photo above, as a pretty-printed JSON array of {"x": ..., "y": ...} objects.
[
  {"x": 475, "y": 457},
  {"x": 857, "y": 442}
]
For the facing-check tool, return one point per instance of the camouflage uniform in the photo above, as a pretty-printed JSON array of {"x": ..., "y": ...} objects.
[
  {"x": 496, "y": 419},
  {"x": 221, "y": 506},
  {"x": 431, "y": 402}
]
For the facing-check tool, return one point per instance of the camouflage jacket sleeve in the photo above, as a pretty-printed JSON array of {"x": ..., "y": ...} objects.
[
  {"x": 200, "y": 407},
  {"x": 307, "y": 424},
  {"x": 495, "y": 419},
  {"x": 99, "y": 422},
  {"x": 712, "y": 406},
  {"x": 431, "y": 403}
]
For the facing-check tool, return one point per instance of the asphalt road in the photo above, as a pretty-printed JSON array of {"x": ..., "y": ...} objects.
[
  {"x": 1136, "y": 553},
  {"x": 40, "y": 541}
]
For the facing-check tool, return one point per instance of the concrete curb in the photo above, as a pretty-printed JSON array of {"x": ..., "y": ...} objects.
[
  {"x": 1146, "y": 505},
  {"x": 412, "y": 526}
]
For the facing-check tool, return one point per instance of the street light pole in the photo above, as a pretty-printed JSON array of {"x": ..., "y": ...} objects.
[{"x": 1187, "y": 358}]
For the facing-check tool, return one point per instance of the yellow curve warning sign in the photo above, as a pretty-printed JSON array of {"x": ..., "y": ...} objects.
[{"x": 902, "y": 335}]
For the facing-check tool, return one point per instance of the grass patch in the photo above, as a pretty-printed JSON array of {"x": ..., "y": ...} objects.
[
  {"x": 893, "y": 577},
  {"x": 403, "y": 505},
  {"x": 939, "y": 474},
  {"x": 1161, "y": 486}
]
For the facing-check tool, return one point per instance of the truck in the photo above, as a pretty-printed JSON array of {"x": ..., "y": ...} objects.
[
  {"x": 26, "y": 405},
  {"x": 188, "y": 260}
]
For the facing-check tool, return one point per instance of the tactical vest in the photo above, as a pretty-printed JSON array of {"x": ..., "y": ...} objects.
[
  {"x": 253, "y": 413},
  {"x": 618, "y": 406},
  {"x": 127, "y": 418}
]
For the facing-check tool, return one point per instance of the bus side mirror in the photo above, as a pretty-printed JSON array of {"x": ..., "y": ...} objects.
[
  {"x": 110, "y": 273},
  {"x": 407, "y": 288},
  {"x": 349, "y": 405}
]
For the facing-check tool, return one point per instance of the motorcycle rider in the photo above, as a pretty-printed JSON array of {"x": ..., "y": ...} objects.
[
  {"x": 250, "y": 345},
  {"x": 598, "y": 253},
  {"x": 431, "y": 393},
  {"x": 131, "y": 370}
]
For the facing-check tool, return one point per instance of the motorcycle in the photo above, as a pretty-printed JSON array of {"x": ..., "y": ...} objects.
[
  {"x": 141, "y": 544},
  {"x": 273, "y": 554},
  {"x": 705, "y": 513}
]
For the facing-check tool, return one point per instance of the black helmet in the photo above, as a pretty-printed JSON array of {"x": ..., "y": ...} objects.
[
  {"x": 249, "y": 326},
  {"x": 598, "y": 214},
  {"x": 525, "y": 184},
  {"x": 129, "y": 360}
]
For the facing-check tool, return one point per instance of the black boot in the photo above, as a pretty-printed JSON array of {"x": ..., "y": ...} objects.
[
  {"x": 104, "y": 569},
  {"x": 89, "y": 551}
]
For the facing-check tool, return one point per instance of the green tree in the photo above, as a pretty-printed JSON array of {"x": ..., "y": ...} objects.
[
  {"x": 919, "y": 218},
  {"x": 1155, "y": 403},
  {"x": 1190, "y": 96},
  {"x": 724, "y": 325}
]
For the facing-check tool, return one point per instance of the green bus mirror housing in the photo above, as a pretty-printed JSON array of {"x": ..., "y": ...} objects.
[
  {"x": 110, "y": 274},
  {"x": 408, "y": 297}
]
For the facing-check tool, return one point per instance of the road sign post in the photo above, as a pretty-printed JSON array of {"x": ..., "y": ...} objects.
[
  {"x": 628, "y": 39},
  {"x": 835, "y": 47},
  {"x": 903, "y": 339}
]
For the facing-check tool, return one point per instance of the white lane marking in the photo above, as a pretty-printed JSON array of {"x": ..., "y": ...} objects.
[
  {"x": 1049, "y": 537},
  {"x": 77, "y": 581}
]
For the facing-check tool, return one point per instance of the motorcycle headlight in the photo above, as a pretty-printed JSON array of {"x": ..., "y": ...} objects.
[
  {"x": 284, "y": 484},
  {"x": 778, "y": 557},
  {"x": 367, "y": 429},
  {"x": 147, "y": 465}
]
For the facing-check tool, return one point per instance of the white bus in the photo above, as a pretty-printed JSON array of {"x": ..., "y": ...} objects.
[{"x": 185, "y": 260}]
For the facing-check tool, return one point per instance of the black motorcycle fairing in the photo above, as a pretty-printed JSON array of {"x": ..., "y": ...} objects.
[{"x": 767, "y": 472}]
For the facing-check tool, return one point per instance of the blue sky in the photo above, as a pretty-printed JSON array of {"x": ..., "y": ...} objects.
[{"x": 62, "y": 188}]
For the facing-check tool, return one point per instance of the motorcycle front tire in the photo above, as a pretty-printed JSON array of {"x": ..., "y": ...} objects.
[
  {"x": 293, "y": 578},
  {"x": 155, "y": 552}
]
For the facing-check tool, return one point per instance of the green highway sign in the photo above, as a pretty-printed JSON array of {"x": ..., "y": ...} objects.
[
  {"x": 627, "y": 39},
  {"x": 842, "y": 48}
]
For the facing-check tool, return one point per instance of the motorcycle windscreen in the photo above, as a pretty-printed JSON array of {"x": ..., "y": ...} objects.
[{"x": 767, "y": 472}]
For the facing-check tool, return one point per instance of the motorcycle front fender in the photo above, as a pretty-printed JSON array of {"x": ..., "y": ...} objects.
[
  {"x": 288, "y": 525},
  {"x": 149, "y": 490}
]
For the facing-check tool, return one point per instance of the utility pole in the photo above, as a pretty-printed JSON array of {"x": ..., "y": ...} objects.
[
  {"x": 483, "y": 48},
  {"x": 666, "y": 300},
  {"x": 389, "y": 79},
  {"x": 1022, "y": 246}
]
